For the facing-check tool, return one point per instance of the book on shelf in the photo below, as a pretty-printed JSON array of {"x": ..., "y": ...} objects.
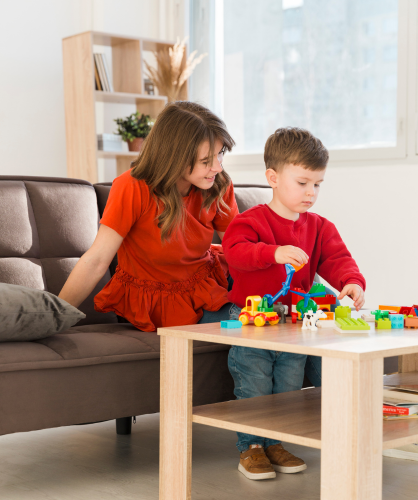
[
  {"x": 96, "y": 76},
  {"x": 103, "y": 72},
  {"x": 107, "y": 72}
]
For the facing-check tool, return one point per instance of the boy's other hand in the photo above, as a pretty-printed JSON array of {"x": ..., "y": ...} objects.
[
  {"x": 289, "y": 254},
  {"x": 355, "y": 292}
]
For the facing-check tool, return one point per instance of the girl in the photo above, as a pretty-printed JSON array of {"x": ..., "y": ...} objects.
[{"x": 160, "y": 218}]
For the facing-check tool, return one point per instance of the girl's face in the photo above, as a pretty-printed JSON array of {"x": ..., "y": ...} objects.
[{"x": 204, "y": 172}]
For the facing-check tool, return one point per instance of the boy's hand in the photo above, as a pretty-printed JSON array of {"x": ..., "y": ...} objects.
[
  {"x": 289, "y": 254},
  {"x": 355, "y": 292}
]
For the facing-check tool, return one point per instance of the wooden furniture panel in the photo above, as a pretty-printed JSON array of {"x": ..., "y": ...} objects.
[
  {"x": 351, "y": 429},
  {"x": 290, "y": 337},
  {"x": 80, "y": 123},
  {"x": 294, "y": 417},
  {"x": 126, "y": 62},
  {"x": 176, "y": 418}
]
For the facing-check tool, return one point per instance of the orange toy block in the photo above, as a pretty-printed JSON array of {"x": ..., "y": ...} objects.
[
  {"x": 395, "y": 309},
  {"x": 330, "y": 315},
  {"x": 411, "y": 322}
]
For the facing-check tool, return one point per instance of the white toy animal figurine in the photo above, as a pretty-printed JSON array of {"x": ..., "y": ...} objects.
[{"x": 310, "y": 318}]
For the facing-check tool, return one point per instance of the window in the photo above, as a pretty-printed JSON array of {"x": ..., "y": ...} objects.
[{"x": 330, "y": 67}]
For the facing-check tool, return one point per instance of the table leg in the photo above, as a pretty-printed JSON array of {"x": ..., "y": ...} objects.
[
  {"x": 176, "y": 418},
  {"x": 351, "y": 429}
]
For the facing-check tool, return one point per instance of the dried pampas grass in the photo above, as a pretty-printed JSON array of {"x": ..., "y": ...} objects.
[{"x": 171, "y": 74}]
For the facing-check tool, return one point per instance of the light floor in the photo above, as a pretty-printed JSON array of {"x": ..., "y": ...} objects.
[{"x": 92, "y": 463}]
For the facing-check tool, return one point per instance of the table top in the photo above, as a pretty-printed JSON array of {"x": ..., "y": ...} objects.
[{"x": 290, "y": 337}]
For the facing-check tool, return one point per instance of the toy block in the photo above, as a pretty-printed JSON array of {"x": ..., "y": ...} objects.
[
  {"x": 232, "y": 323},
  {"x": 380, "y": 314},
  {"x": 318, "y": 288},
  {"x": 330, "y": 316},
  {"x": 326, "y": 323},
  {"x": 294, "y": 317},
  {"x": 395, "y": 309},
  {"x": 414, "y": 310},
  {"x": 411, "y": 322},
  {"x": 405, "y": 310},
  {"x": 383, "y": 324},
  {"x": 351, "y": 324},
  {"x": 368, "y": 317},
  {"x": 327, "y": 300},
  {"x": 396, "y": 321},
  {"x": 342, "y": 312}
]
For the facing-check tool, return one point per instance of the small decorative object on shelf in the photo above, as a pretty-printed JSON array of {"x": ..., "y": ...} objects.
[
  {"x": 109, "y": 142},
  {"x": 173, "y": 70},
  {"x": 134, "y": 129},
  {"x": 148, "y": 86}
]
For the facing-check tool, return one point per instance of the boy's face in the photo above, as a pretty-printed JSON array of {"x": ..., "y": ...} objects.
[{"x": 295, "y": 187}]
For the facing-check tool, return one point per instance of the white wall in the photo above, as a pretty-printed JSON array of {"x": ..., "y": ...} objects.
[
  {"x": 375, "y": 209},
  {"x": 32, "y": 125}
]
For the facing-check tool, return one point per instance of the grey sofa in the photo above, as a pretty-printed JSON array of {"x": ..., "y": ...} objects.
[{"x": 100, "y": 369}]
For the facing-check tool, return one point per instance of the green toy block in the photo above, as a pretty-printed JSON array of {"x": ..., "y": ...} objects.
[
  {"x": 351, "y": 324},
  {"x": 380, "y": 314},
  {"x": 383, "y": 324},
  {"x": 342, "y": 312},
  {"x": 318, "y": 288}
]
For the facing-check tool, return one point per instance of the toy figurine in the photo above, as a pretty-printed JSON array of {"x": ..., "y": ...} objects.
[{"x": 310, "y": 318}]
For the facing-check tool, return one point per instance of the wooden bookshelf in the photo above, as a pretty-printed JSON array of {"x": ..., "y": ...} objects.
[{"x": 80, "y": 95}]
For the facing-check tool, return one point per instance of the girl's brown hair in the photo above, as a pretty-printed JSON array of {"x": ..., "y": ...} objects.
[{"x": 170, "y": 148}]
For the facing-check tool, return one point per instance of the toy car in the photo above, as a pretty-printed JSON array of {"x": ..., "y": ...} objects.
[{"x": 254, "y": 311}]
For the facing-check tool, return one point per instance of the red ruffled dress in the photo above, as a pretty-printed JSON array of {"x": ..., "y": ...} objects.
[{"x": 168, "y": 284}]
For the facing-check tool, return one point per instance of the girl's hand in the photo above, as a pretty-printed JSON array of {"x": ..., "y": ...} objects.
[
  {"x": 355, "y": 292},
  {"x": 289, "y": 254}
]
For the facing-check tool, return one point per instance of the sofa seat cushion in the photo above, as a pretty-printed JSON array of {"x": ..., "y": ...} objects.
[{"x": 88, "y": 345}]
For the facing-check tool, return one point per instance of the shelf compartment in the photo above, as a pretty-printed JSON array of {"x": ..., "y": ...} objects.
[{"x": 294, "y": 417}]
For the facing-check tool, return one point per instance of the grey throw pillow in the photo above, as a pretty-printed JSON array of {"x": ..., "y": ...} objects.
[{"x": 28, "y": 314}]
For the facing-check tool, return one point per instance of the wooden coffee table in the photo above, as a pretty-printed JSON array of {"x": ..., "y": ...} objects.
[{"x": 345, "y": 423}]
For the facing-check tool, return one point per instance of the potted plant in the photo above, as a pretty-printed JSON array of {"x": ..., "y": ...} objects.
[{"x": 134, "y": 129}]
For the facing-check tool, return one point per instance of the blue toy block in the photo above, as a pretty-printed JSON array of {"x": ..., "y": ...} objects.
[
  {"x": 396, "y": 320},
  {"x": 232, "y": 323}
]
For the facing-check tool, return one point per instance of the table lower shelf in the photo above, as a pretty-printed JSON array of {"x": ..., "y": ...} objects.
[{"x": 293, "y": 417}]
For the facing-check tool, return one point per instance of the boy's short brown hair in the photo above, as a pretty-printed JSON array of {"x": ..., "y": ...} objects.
[{"x": 296, "y": 146}]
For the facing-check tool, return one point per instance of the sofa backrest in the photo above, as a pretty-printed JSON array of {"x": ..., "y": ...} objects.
[
  {"x": 46, "y": 224},
  {"x": 247, "y": 196}
]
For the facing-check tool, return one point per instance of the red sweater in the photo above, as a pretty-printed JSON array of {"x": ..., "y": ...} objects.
[{"x": 251, "y": 240}]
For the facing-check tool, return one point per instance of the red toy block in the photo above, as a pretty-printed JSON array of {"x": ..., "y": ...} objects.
[
  {"x": 294, "y": 317},
  {"x": 328, "y": 299},
  {"x": 405, "y": 310}
]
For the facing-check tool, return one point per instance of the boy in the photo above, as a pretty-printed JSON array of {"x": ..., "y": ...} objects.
[{"x": 257, "y": 244}]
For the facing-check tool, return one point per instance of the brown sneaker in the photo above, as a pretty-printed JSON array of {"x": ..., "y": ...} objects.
[
  {"x": 254, "y": 464},
  {"x": 283, "y": 461}
]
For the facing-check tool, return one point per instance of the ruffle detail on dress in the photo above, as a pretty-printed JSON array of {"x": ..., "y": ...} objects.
[{"x": 151, "y": 304}]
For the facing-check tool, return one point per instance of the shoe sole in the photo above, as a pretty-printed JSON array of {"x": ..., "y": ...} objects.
[
  {"x": 289, "y": 470},
  {"x": 256, "y": 477}
]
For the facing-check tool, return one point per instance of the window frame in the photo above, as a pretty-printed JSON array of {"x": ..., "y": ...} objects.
[{"x": 406, "y": 77}]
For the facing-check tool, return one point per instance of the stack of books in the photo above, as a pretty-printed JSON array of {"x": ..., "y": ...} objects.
[
  {"x": 102, "y": 73},
  {"x": 400, "y": 402},
  {"x": 109, "y": 142}
]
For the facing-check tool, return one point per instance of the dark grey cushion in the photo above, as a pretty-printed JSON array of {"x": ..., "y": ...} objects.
[{"x": 27, "y": 314}]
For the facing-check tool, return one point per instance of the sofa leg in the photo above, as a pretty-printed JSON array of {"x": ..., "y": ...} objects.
[{"x": 123, "y": 425}]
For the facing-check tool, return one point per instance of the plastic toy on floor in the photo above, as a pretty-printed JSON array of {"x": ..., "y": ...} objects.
[{"x": 310, "y": 318}]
